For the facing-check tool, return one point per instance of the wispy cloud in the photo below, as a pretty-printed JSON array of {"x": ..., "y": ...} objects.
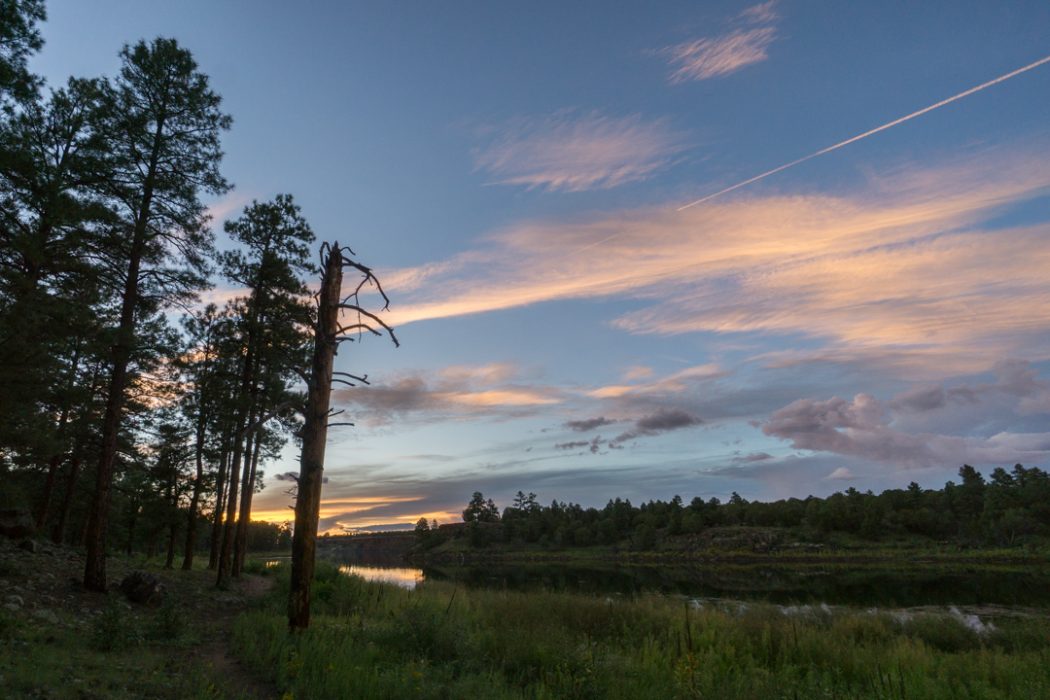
[
  {"x": 717, "y": 56},
  {"x": 452, "y": 393},
  {"x": 763, "y": 12},
  {"x": 871, "y": 132},
  {"x": 841, "y": 474},
  {"x": 674, "y": 383},
  {"x": 902, "y": 264},
  {"x": 712, "y": 57},
  {"x": 227, "y": 206},
  {"x": 571, "y": 151}
]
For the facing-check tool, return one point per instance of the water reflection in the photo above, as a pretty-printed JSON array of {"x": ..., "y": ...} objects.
[
  {"x": 785, "y": 585},
  {"x": 399, "y": 576},
  {"x": 1020, "y": 585}
]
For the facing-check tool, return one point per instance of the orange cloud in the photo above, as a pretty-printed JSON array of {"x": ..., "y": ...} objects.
[
  {"x": 902, "y": 264},
  {"x": 457, "y": 391}
]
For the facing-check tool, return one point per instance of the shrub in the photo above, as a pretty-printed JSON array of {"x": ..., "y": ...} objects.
[
  {"x": 113, "y": 630},
  {"x": 169, "y": 624}
]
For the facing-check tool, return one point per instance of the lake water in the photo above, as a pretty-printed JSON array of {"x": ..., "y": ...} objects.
[
  {"x": 397, "y": 575},
  {"x": 1014, "y": 585}
]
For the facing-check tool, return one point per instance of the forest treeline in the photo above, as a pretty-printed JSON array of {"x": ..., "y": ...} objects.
[
  {"x": 1008, "y": 508},
  {"x": 132, "y": 414}
]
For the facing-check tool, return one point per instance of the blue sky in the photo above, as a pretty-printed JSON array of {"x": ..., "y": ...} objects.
[{"x": 874, "y": 316}]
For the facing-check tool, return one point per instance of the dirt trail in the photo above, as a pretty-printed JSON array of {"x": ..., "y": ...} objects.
[{"x": 215, "y": 654}]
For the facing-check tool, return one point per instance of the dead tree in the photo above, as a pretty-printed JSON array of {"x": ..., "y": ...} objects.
[{"x": 329, "y": 332}]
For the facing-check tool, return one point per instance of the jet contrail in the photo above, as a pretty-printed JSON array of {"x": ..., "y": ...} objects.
[{"x": 871, "y": 132}]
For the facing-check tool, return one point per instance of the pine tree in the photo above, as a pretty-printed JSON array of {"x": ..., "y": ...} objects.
[{"x": 162, "y": 123}]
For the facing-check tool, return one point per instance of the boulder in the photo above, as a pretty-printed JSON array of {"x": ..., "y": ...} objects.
[
  {"x": 140, "y": 587},
  {"x": 16, "y": 523}
]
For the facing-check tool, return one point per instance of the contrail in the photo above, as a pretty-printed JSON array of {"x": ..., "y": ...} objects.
[{"x": 866, "y": 134}]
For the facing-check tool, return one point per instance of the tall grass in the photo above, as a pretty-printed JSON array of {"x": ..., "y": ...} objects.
[{"x": 372, "y": 640}]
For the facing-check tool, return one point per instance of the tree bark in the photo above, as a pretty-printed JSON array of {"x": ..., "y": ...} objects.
[
  {"x": 198, "y": 485},
  {"x": 49, "y": 488},
  {"x": 242, "y": 436},
  {"x": 59, "y": 533},
  {"x": 98, "y": 520},
  {"x": 245, "y": 514},
  {"x": 315, "y": 434},
  {"x": 56, "y": 460},
  {"x": 220, "y": 505}
]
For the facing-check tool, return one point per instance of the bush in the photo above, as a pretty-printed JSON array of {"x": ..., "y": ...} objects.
[
  {"x": 169, "y": 624},
  {"x": 113, "y": 630}
]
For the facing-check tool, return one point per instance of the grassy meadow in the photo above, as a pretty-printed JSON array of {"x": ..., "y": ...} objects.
[{"x": 372, "y": 640}]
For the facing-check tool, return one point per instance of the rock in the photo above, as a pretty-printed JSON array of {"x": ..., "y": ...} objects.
[
  {"x": 16, "y": 600},
  {"x": 29, "y": 546},
  {"x": 12, "y": 607},
  {"x": 16, "y": 523},
  {"x": 140, "y": 587},
  {"x": 45, "y": 615}
]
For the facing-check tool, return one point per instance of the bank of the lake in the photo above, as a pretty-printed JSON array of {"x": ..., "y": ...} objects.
[{"x": 446, "y": 639}]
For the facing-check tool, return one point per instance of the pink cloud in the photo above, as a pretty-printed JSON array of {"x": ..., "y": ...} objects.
[
  {"x": 573, "y": 152},
  {"x": 901, "y": 267},
  {"x": 869, "y": 429},
  {"x": 713, "y": 57},
  {"x": 452, "y": 393},
  {"x": 707, "y": 58}
]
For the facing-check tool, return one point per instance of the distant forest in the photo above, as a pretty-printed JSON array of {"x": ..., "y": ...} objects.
[{"x": 1010, "y": 508}]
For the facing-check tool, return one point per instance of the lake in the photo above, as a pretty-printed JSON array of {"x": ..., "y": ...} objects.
[{"x": 1013, "y": 585}]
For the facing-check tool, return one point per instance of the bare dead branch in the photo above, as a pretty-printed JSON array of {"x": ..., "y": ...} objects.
[
  {"x": 369, "y": 314},
  {"x": 356, "y": 327},
  {"x": 363, "y": 378},
  {"x": 369, "y": 277}
]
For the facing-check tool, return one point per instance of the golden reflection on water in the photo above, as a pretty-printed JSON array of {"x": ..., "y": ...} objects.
[{"x": 404, "y": 577}]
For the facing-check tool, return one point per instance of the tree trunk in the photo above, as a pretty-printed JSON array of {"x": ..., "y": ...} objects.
[
  {"x": 98, "y": 520},
  {"x": 56, "y": 460},
  {"x": 173, "y": 524},
  {"x": 247, "y": 491},
  {"x": 315, "y": 434},
  {"x": 59, "y": 533},
  {"x": 173, "y": 531},
  {"x": 239, "y": 448},
  {"x": 49, "y": 488},
  {"x": 132, "y": 522},
  {"x": 220, "y": 503}
]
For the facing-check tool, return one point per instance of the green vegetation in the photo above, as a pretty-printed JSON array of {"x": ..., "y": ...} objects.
[
  {"x": 66, "y": 643},
  {"x": 1009, "y": 510},
  {"x": 377, "y": 641}
]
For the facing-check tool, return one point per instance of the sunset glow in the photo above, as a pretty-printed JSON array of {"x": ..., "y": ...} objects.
[{"x": 579, "y": 317}]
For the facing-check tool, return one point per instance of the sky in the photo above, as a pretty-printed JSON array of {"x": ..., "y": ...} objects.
[{"x": 574, "y": 321}]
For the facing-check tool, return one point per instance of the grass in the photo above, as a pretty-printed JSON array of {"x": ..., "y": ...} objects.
[
  {"x": 100, "y": 647},
  {"x": 371, "y": 640},
  {"x": 118, "y": 654}
]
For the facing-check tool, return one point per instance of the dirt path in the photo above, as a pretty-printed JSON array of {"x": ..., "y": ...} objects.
[{"x": 215, "y": 654}]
